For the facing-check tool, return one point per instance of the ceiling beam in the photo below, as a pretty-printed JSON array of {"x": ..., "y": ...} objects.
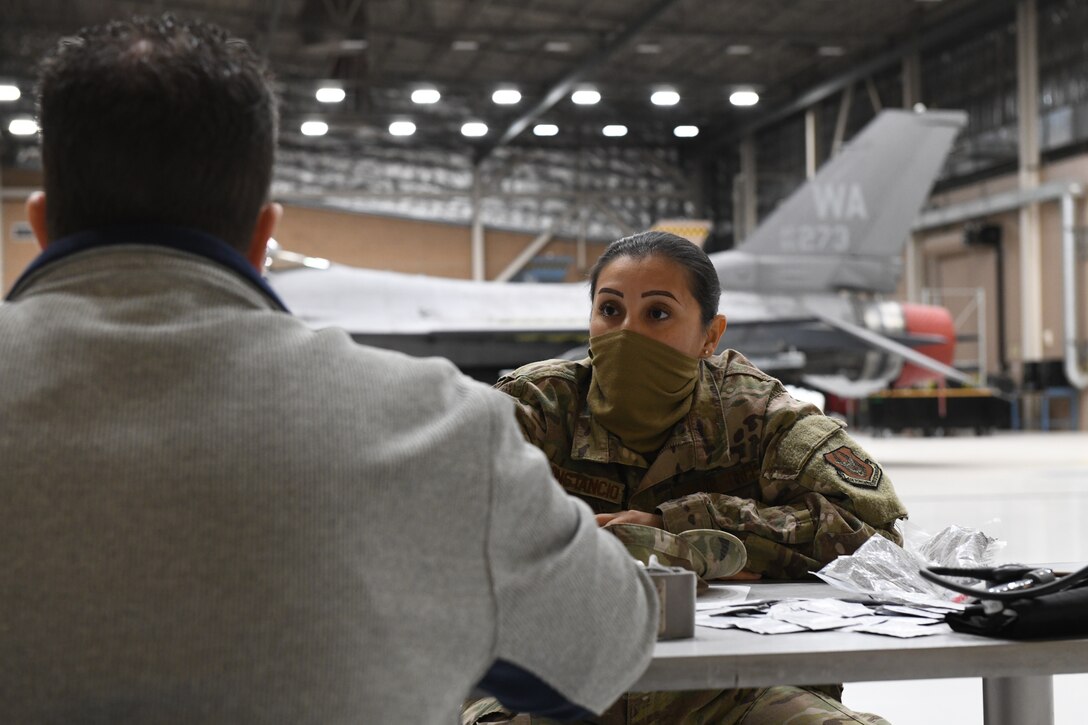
[
  {"x": 967, "y": 24},
  {"x": 612, "y": 44}
]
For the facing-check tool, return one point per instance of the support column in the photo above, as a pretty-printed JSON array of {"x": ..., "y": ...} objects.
[
  {"x": 845, "y": 103},
  {"x": 1027, "y": 102},
  {"x": 912, "y": 79},
  {"x": 913, "y": 263},
  {"x": 748, "y": 197},
  {"x": 812, "y": 140},
  {"x": 477, "y": 228},
  {"x": 3, "y": 229}
]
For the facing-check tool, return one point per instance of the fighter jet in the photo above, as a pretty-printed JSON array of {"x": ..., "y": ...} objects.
[{"x": 802, "y": 295}]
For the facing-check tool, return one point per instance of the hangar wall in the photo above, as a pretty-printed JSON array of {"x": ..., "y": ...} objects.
[
  {"x": 945, "y": 260},
  {"x": 363, "y": 240}
]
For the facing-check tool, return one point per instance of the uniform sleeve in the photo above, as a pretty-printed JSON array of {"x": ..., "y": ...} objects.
[
  {"x": 577, "y": 618},
  {"x": 530, "y": 406},
  {"x": 543, "y": 412},
  {"x": 821, "y": 496}
]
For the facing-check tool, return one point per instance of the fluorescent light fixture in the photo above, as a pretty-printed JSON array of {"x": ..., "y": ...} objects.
[
  {"x": 402, "y": 128},
  {"x": 744, "y": 98},
  {"x": 685, "y": 131},
  {"x": 9, "y": 93},
  {"x": 585, "y": 97},
  {"x": 614, "y": 130},
  {"x": 557, "y": 46},
  {"x": 465, "y": 45},
  {"x": 506, "y": 96},
  {"x": 738, "y": 50},
  {"x": 648, "y": 48},
  {"x": 353, "y": 45},
  {"x": 23, "y": 127},
  {"x": 474, "y": 129},
  {"x": 330, "y": 94},
  {"x": 665, "y": 98},
  {"x": 831, "y": 51},
  {"x": 545, "y": 129},
  {"x": 314, "y": 128},
  {"x": 425, "y": 95}
]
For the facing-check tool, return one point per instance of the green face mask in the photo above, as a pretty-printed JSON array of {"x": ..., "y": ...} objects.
[{"x": 640, "y": 387}]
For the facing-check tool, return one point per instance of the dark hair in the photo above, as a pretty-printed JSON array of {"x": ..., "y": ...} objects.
[
  {"x": 703, "y": 278},
  {"x": 156, "y": 121}
]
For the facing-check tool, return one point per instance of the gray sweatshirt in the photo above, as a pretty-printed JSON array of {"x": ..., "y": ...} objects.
[{"x": 212, "y": 513}]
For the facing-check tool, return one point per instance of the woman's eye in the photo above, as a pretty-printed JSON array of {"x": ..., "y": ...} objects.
[
  {"x": 607, "y": 309},
  {"x": 659, "y": 314}
]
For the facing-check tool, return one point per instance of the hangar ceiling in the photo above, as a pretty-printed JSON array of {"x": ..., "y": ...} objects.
[{"x": 379, "y": 51}]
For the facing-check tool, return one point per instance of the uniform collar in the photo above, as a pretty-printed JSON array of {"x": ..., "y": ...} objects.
[
  {"x": 699, "y": 441},
  {"x": 181, "y": 239}
]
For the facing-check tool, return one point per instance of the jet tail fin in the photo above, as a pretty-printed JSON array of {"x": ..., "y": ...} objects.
[{"x": 846, "y": 228}]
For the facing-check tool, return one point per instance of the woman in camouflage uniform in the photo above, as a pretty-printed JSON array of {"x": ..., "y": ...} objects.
[{"x": 655, "y": 429}]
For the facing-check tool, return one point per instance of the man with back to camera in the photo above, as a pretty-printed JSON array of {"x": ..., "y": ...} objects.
[{"x": 210, "y": 512}]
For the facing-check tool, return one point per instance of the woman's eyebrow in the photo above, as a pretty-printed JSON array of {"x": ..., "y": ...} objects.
[
  {"x": 662, "y": 292},
  {"x": 611, "y": 291}
]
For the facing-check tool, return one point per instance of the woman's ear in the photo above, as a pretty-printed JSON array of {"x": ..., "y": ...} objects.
[{"x": 714, "y": 332}]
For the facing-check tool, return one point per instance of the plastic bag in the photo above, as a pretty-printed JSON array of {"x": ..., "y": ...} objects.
[{"x": 884, "y": 571}]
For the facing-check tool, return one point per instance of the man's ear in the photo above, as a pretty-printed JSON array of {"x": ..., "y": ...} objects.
[
  {"x": 35, "y": 214},
  {"x": 267, "y": 218}
]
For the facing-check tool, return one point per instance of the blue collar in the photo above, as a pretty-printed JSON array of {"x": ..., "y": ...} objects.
[{"x": 179, "y": 238}]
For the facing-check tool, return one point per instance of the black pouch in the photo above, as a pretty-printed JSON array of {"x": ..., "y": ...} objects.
[{"x": 1061, "y": 614}]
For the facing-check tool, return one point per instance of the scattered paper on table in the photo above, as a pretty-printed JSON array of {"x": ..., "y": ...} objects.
[
  {"x": 911, "y": 611},
  {"x": 903, "y": 628},
  {"x": 773, "y": 616}
]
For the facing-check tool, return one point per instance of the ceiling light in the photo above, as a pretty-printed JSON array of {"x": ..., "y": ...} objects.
[
  {"x": 738, "y": 50},
  {"x": 23, "y": 127},
  {"x": 353, "y": 45},
  {"x": 402, "y": 128},
  {"x": 557, "y": 46},
  {"x": 665, "y": 98},
  {"x": 474, "y": 129},
  {"x": 648, "y": 48},
  {"x": 425, "y": 95},
  {"x": 685, "y": 131},
  {"x": 831, "y": 51},
  {"x": 314, "y": 128},
  {"x": 585, "y": 97},
  {"x": 465, "y": 45},
  {"x": 744, "y": 98},
  {"x": 614, "y": 130},
  {"x": 9, "y": 93},
  {"x": 506, "y": 96},
  {"x": 545, "y": 129},
  {"x": 330, "y": 94}
]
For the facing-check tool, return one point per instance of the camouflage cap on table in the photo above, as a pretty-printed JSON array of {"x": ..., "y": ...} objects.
[
  {"x": 711, "y": 554},
  {"x": 724, "y": 553}
]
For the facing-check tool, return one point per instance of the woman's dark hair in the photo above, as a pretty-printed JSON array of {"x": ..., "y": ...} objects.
[
  {"x": 703, "y": 278},
  {"x": 156, "y": 121}
]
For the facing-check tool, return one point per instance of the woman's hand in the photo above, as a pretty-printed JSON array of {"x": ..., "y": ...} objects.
[{"x": 630, "y": 517}]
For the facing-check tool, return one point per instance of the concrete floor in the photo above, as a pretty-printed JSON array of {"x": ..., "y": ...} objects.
[{"x": 1029, "y": 490}]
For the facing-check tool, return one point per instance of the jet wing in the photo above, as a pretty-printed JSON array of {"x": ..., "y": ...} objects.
[{"x": 891, "y": 346}]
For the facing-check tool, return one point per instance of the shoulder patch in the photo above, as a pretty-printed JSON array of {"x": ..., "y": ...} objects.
[{"x": 852, "y": 468}]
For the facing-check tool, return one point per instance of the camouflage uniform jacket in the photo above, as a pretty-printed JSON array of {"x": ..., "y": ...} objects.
[{"x": 748, "y": 459}]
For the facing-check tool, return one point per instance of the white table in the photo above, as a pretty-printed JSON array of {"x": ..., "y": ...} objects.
[{"x": 1017, "y": 684}]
